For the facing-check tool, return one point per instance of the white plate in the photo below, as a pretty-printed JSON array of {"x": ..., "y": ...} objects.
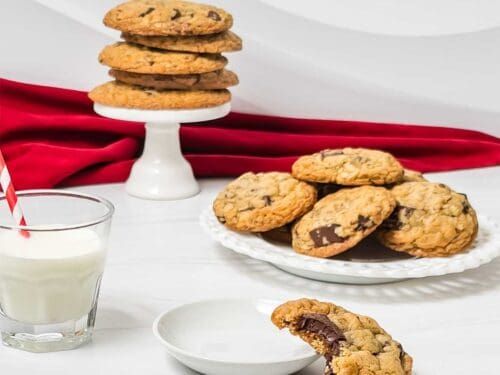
[
  {"x": 356, "y": 271},
  {"x": 163, "y": 116},
  {"x": 231, "y": 336}
]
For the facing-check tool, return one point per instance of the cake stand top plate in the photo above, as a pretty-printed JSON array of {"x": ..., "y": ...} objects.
[{"x": 163, "y": 116}]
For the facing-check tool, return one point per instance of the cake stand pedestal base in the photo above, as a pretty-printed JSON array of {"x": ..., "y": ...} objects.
[{"x": 161, "y": 172}]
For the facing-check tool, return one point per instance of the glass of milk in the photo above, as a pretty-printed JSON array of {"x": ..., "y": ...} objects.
[{"x": 49, "y": 282}]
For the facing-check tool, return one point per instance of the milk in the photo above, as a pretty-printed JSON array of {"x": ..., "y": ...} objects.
[{"x": 50, "y": 277}]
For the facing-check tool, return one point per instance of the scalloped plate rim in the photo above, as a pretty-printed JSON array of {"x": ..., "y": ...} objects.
[{"x": 257, "y": 248}]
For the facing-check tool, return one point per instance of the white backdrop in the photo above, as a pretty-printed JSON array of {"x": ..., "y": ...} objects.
[{"x": 428, "y": 62}]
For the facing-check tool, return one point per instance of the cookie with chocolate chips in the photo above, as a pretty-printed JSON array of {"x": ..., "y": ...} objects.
[
  {"x": 217, "y": 80},
  {"x": 263, "y": 201},
  {"x": 138, "y": 59},
  {"x": 349, "y": 166},
  {"x": 351, "y": 343},
  {"x": 117, "y": 94},
  {"x": 212, "y": 43},
  {"x": 430, "y": 220},
  {"x": 340, "y": 220},
  {"x": 168, "y": 17}
]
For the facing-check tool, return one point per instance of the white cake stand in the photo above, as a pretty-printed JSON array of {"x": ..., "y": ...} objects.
[{"x": 161, "y": 172}]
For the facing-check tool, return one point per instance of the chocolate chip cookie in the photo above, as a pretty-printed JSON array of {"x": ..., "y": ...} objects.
[
  {"x": 213, "y": 43},
  {"x": 219, "y": 79},
  {"x": 351, "y": 343},
  {"x": 117, "y": 94},
  {"x": 430, "y": 220},
  {"x": 168, "y": 17},
  {"x": 139, "y": 59},
  {"x": 340, "y": 220},
  {"x": 263, "y": 201},
  {"x": 349, "y": 166}
]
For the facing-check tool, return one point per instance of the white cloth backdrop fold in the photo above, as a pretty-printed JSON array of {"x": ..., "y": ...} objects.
[{"x": 435, "y": 64}]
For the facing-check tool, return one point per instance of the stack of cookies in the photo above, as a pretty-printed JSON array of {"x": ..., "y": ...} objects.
[
  {"x": 170, "y": 57},
  {"x": 334, "y": 199}
]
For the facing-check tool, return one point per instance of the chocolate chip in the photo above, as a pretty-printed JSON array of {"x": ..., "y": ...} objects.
[
  {"x": 465, "y": 204},
  {"x": 401, "y": 352},
  {"x": 214, "y": 15},
  {"x": 149, "y": 10},
  {"x": 393, "y": 222},
  {"x": 151, "y": 63},
  {"x": 267, "y": 200},
  {"x": 326, "y": 235},
  {"x": 364, "y": 223},
  {"x": 221, "y": 219},
  {"x": 327, "y": 153},
  {"x": 246, "y": 209},
  {"x": 442, "y": 185},
  {"x": 320, "y": 325},
  {"x": 407, "y": 211},
  {"x": 177, "y": 14}
]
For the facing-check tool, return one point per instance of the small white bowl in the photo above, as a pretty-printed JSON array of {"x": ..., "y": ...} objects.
[{"x": 231, "y": 336}]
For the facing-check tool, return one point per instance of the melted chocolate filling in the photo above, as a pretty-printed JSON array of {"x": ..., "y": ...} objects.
[{"x": 320, "y": 325}]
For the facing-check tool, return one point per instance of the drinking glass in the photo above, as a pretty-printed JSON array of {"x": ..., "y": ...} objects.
[{"x": 50, "y": 279}]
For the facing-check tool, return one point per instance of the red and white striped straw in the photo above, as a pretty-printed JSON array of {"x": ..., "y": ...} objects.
[{"x": 11, "y": 196}]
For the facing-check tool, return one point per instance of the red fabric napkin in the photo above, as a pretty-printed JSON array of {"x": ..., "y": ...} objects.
[{"x": 51, "y": 137}]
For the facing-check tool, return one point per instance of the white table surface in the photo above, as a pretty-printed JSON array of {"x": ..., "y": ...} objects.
[{"x": 160, "y": 258}]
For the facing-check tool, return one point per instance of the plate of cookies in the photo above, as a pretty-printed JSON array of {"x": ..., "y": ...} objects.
[{"x": 351, "y": 215}]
